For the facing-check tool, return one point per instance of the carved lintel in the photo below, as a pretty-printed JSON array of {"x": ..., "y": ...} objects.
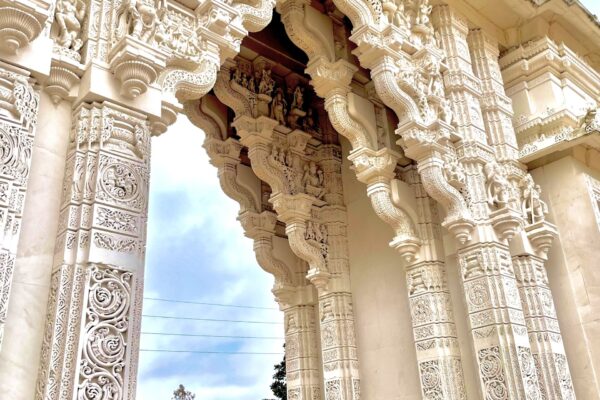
[
  {"x": 541, "y": 236},
  {"x": 136, "y": 65}
]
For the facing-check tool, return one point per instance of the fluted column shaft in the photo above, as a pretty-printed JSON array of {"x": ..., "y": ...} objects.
[
  {"x": 493, "y": 304},
  {"x": 94, "y": 310}
]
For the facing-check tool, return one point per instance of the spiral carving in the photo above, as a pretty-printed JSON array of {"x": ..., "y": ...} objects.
[{"x": 107, "y": 330}]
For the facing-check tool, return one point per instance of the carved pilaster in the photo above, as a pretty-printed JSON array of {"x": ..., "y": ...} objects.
[
  {"x": 18, "y": 118},
  {"x": 301, "y": 338},
  {"x": 496, "y": 107},
  {"x": 542, "y": 325},
  {"x": 94, "y": 309}
]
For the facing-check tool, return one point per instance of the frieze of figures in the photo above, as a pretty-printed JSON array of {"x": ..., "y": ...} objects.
[{"x": 285, "y": 102}]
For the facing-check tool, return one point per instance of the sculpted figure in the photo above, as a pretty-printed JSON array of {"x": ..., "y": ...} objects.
[
  {"x": 69, "y": 15},
  {"x": 423, "y": 13},
  {"x": 142, "y": 19},
  {"x": 298, "y": 101},
  {"x": 498, "y": 187},
  {"x": 267, "y": 83},
  {"x": 534, "y": 208},
  {"x": 313, "y": 180},
  {"x": 401, "y": 18},
  {"x": 453, "y": 171},
  {"x": 279, "y": 107},
  {"x": 446, "y": 111}
]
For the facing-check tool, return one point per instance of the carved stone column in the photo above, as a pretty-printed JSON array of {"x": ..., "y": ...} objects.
[
  {"x": 496, "y": 317},
  {"x": 538, "y": 305},
  {"x": 434, "y": 329},
  {"x": 18, "y": 119},
  {"x": 301, "y": 351},
  {"x": 496, "y": 107},
  {"x": 90, "y": 342},
  {"x": 542, "y": 324}
]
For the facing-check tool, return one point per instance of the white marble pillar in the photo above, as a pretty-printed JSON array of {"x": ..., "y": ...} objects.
[
  {"x": 19, "y": 103},
  {"x": 497, "y": 322},
  {"x": 94, "y": 311}
]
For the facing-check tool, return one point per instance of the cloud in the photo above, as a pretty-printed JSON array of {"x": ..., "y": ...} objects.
[{"x": 197, "y": 251}]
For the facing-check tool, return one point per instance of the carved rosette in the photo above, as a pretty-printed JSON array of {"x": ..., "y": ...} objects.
[
  {"x": 19, "y": 102},
  {"x": 99, "y": 257}
]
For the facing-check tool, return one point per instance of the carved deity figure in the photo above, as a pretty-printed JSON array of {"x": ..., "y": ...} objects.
[
  {"x": 298, "y": 100},
  {"x": 453, "y": 171},
  {"x": 141, "y": 19},
  {"x": 69, "y": 16},
  {"x": 498, "y": 186},
  {"x": 445, "y": 111},
  {"x": 267, "y": 84},
  {"x": 423, "y": 12},
  {"x": 313, "y": 180},
  {"x": 401, "y": 18},
  {"x": 279, "y": 107},
  {"x": 534, "y": 208}
]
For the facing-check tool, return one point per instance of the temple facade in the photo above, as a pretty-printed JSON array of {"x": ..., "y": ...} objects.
[{"x": 422, "y": 181}]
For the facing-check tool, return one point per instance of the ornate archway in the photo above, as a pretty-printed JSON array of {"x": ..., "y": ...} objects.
[{"x": 132, "y": 66}]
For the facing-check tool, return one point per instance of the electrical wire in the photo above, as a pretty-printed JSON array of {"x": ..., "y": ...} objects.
[
  {"x": 209, "y": 352},
  {"x": 212, "y": 319},
  {"x": 209, "y": 304},
  {"x": 212, "y": 336}
]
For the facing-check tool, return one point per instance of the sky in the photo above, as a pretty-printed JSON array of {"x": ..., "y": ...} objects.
[{"x": 197, "y": 252}]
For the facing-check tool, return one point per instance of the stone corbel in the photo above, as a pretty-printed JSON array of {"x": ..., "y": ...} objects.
[
  {"x": 331, "y": 81},
  {"x": 256, "y": 134},
  {"x": 541, "y": 236},
  {"x": 168, "y": 116},
  {"x": 359, "y": 12},
  {"x": 426, "y": 146},
  {"x": 506, "y": 222},
  {"x": 136, "y": 65},
  {"x": 296, "y": 19},
  {"x": 295, "y": 212},
  {"x": 64, "y": 75},
  {"x": 255, "y": 18},
  {"x": 21, "y": 21},
  {"x": 261, "y": 229},
  {"x": 225, "y": 155},
  {"x": 376, "y": 170},
  {"x": 240, "y": 104},
  {"x": 182, "y": 85}
]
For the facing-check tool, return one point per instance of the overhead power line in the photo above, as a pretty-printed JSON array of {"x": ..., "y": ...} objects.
[
  {"x": 212, "y": 336},
  {"x": 212, "y": 319},
  {"x": 209, "y": 304},
  {"x": 210, "y": 352}
]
